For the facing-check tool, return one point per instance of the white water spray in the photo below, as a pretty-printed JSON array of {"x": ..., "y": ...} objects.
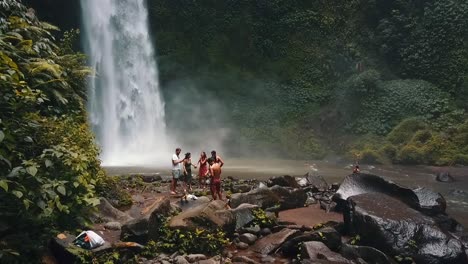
[{"x": 125, "y": 104}]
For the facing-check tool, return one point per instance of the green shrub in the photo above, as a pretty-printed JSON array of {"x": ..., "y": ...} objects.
[
  {"x": 261, "y": 219},
  {"x": 203, "y": 241},
  {"x": 422, "y": 136},
  {"x": 110, "y": 187},
  {"x": 370, "y": 156},
  {"x": 389, "y": 151},
  {"x": 410, "y": 155},
  {"x": 461, "y": 159},
  {"x": 49, "y": 164},
  {"x": 405, "y": 130},
  {"x": 397, "y": 100}
]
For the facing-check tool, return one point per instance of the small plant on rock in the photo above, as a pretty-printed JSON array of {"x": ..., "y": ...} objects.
[{"x": 261, "y": 219}]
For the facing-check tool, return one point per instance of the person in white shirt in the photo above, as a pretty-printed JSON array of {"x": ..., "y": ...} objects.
[{"x": 176, "y": 169}]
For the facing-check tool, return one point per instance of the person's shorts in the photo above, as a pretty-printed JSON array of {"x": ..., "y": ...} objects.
[{"x": 176, "y": 174}]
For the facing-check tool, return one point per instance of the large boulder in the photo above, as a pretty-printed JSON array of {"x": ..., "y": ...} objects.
[
  {"x": 327, "y": 235},
  {"x": 368, "y": 254},
  {"x": 262, "y": 197},
  {"x": 290, "y": 198},
  {"x": 420, "y": 199},
  {"x": 284, "y": 181},
  {"x": 317, "y": 252},
  {"x": 243, "y": 215},
  {"x": 270, "y": 243},
  {"x": 430, "y": 202},
  {"x": 108, "y": 213},
  {"x": 212, "y": 215},
  {"x": 63, "y": 249},
  {"x": 278, "y": 197},
  {"x": 393, "y": 227},
  {"x": 145, "y": 227},
  {"x": 316, "y": 181},
  {"x": 444, "y": 177}
]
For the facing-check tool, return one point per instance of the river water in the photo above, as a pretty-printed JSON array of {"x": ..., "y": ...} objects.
[{"x": 409, "y": 176}]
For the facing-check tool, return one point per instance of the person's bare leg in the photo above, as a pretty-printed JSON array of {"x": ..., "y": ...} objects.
[
  {"x": 213, "y": 191},
  {"x": 173, "y": 185},
  {"x": 219, "y": 192}
]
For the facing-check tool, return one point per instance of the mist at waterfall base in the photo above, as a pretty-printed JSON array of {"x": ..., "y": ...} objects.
[
  {"x": 196, "y": 119},
  {"x": 125, "y": 104}
]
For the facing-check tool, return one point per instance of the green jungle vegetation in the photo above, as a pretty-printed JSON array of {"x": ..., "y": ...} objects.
[
  {"x": 50, "y": 175},
  {"x": 376, "y": 81}
]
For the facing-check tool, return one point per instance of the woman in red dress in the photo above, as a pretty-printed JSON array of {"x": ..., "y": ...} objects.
[{"x": 203, "y": 171}]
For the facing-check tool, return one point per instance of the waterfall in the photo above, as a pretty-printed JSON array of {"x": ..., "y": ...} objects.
[{"x": 125, "y": 105}]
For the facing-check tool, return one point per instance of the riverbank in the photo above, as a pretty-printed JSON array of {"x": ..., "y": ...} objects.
[
  {"x": 456, "y": 193},
  {"x": 280, "y": 220}
]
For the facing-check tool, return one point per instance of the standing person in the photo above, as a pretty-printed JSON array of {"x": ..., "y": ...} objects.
[
  {"x": 203, "y": 171},
  {"x": 188, "y": 171},
  {"x": 176, "y": 171},
  {"x": 215, "y": 172},
  {"x": 217, "y": 158}
]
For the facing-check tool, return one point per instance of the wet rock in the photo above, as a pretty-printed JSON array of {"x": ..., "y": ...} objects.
[
  {"x": 214, "y": 260},
  {"x": 262, "y": 197},
  {"x": 335, "y": 186},
  {"x": 444, "y": 177},
  {"x": 242, "y": 245},
  {"x": 317, "y": 181},
  {"x": 241, "y": 188},
  {"x": 195, "y": 257},
  {"x": 248, "y": 238},
  {"x": 361, "y": 183},
  {"x": 430, "y": 202},
  {"x": 302, "y": 182},
  {"x": 63, "y": 249},
  {"x": 268, "y": 259},
  {"x": 393, "y": 227},
  {"x": 151, "y": 177},
  {"x": 209, "y": 216},
  {"x": 270, "y": 243},
  {"x": 145, "y": 227},
  {"x": 108, "y": 213},
  {"x": 368, "y": 254},
  {"x": 251, "y": 229},
  {"x": 327, "y": 206},
  {"x": 317, "y": 251},
  {"x": 290, "y": 198},
  {"x": 329, "y": 236},
  {"x": 180, "y": 260},
  {"x": 284, "y": 181},
  {"x": 244, "y": 259},
  {"x": 243, "y": 215},
  {"x": 113, "y": 226},
  {"x": 265, "y": 231}
]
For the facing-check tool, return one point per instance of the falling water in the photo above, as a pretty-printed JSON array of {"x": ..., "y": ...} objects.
[{"x": 125, "y": 104}]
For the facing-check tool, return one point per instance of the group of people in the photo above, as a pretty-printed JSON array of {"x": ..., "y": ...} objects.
[{"x": 209, "y": 172}]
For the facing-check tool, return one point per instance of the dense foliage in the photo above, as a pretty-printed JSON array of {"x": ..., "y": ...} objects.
[
  {"x": 298, "y": 78},
  {"x": 48, "y": 159}
]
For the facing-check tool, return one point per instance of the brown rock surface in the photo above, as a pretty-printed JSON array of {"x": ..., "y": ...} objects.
[{"x": 270, "y": 243}]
